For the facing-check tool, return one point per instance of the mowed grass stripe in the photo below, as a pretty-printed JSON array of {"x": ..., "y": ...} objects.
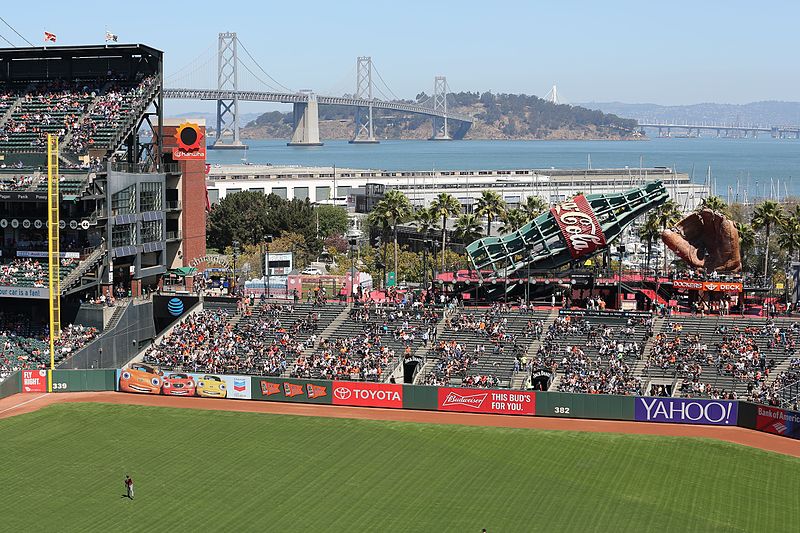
[{"x": 222, "y": 471}]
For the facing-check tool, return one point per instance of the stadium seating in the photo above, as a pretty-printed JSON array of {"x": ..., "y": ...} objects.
[
  {"x": 25, "y": 346},
  {"x": 479, "y": 348},
  {"x": 597, "y": 354},
  {"x": 83, "y": 114},
  {"x": 262, "y": 340},
  {"x": 31, "y": 273},
  {"x": 493, "y": 347}
]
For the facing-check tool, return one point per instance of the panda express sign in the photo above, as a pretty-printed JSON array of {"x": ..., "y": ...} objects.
[{"x": 579, "y": 226}]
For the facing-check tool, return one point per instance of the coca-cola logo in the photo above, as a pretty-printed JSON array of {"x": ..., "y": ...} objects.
[
  {"x": 578, "y": 225},
  {"x": 342, "y": 393},
  {"x": 472, "y": 400}
]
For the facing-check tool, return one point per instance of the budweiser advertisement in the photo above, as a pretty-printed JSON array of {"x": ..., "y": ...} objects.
[
  {"x": 487, "y": 401},
  {"x": 778, "y": 421},
  {"x": 367, "y": 394},
  {"x": 34, "y": 381},
  {"x": 708, "y": 286},
  {"x": 579, "y": 226},
  {"x": 686, "y": 411}
]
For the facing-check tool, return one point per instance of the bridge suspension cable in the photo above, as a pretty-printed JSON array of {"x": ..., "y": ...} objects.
[
  {"x": 198, "y": 69},
  {"x": 15, "y": 31},
  {"x": 276, "y": 82},
  {"x": 386, "y": 85}
]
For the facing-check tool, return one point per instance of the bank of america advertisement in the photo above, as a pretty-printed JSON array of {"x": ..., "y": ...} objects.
[{"x": 141, "y": 378}]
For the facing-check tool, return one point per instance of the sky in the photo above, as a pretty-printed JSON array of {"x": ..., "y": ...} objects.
[{"x": 671, "y": 52}]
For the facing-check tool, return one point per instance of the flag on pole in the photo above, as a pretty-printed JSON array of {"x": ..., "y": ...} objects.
[
  {"x": 111, "y": 38},
  {"x": 49, "y": 37}
]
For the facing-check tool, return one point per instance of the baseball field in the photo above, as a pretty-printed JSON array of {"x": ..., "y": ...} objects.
[{"x": 63, "y": 470}]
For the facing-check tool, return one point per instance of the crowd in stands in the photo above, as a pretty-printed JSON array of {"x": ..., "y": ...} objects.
[
  {"x": 24, "y": 343},
  {"x": 260, "y": 343},
  {"x": 28, "y": 272},
  {"x": 608, "y": 372},
  {"x": 74, "y": 111}
]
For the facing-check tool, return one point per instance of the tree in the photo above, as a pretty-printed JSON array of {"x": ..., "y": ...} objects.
[
  {"x": 445, "y": 206},
  {"x": 715, "y": 203},
  {"x": 332, "y": 220},
  {"x": 667, "y": 216},
  {"x": 426, "y": 221},
  {"x": 468, "y": 228},
  {"x": 747, "y": 240},
  {"x": 242, "y": 216},
  {"x": 766, "y": 215},
  {"x": 534, "y": 206},
  {"x": 789, "y": 236},
  {"x": 650, "y": 232},
  {"x": 394, "y": 209},
  {"x": 513, "y": 219},
  {"x": 490, "y": 205}
]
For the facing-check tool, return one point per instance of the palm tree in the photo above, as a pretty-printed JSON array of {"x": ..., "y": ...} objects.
[
  {"x": 468, "y": 228},
  {"x": 445, "y": 206},
  {"x": 534, "y": 206},
  {"x": 667, "y": 216},
  {"x": 490, "y": 205},
  {"x": 747, "y": 239},
  {"x": 649, "y": 232},
  {"x": 394, "y": 209},
  {"x": 426, "y": 221},
  {"x": 789, "y": 236},
  {"x": 715, "y": 203},
  {"x": 767, "y": 214},
  {"x": 513, "y": 219}
]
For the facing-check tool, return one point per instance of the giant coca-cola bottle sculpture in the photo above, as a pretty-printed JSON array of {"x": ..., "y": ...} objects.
[{"x": 575, "y": 228}]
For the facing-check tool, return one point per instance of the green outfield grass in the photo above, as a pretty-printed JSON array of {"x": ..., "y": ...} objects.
[{"x": 63, "y": 466}]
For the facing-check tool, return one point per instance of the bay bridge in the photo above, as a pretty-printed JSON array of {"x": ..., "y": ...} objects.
[
  {"x": 722, "y": 130},
  {"x": 228, "y": 92}
]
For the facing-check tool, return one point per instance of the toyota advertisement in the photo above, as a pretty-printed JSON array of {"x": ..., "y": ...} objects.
[
  {"x": 487, "y": 401},
  {"x": 368, "y": 394},
  {"x": 778, "y": 421},
  {"x": 686, "y": 411}
]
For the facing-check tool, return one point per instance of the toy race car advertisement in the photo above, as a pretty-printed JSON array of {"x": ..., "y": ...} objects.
[{"x": 141, "y": 378}]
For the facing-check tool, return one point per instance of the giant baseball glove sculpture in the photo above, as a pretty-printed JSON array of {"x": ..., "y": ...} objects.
[{"x": 706, "y": 239}]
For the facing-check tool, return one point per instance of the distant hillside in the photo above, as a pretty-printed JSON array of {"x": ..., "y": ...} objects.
[
  {"x": 497, "y": 116},
  {"x": 767, "y": 113}
]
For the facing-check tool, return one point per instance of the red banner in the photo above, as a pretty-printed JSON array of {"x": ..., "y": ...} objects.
[
  {"x": 579, "y": 226},
  {"x": 710, "y": 286},
  {"x": 503, "y": 402},
  {"x": 34, "y": 381},
  {"x": 368, "y": 394},
  {"x": 778, "y": 421}
]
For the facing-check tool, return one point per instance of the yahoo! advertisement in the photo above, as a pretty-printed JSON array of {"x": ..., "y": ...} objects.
[{"x": 686, "y": 411}]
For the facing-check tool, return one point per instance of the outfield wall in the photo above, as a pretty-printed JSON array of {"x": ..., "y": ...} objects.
[
  {"x": 762, "y": 418},
  {"x": 11, "y": 385}
]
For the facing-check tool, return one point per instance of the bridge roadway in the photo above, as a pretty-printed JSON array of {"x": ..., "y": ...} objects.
[
  {"x": 774, "y": 130},
  {"x": 302, "y": 98}
]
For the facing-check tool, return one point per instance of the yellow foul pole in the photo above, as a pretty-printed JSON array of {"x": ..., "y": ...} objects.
[{"x": 53, "y": 258}]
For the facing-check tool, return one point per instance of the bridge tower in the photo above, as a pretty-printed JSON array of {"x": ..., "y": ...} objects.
[
  {"x": 363, "y": 115},
  {"x": 440, "y": 131},
  {"x": 227, "y": 134}
]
